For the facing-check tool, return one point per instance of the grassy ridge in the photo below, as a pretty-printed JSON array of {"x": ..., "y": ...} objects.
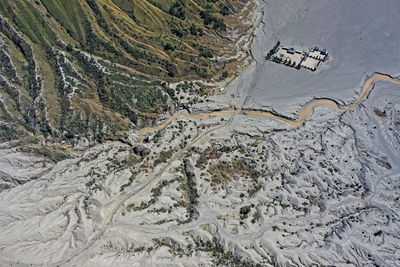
[
  {"x": 100, "y": 62},
  {"x": 160, "y": 38},
  {"x": 70, "y": 15}
]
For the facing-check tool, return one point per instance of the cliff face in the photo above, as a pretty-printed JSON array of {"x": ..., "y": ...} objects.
[{"x": 92, "y": 69}]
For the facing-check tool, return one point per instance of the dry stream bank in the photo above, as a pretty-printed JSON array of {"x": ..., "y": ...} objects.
[{"x": 305, "y": 113}]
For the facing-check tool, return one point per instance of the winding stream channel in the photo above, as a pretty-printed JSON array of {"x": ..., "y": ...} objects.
[{"x": 305, "y": 113}]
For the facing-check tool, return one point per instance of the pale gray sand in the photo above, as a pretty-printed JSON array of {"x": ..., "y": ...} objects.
[{"x": 362, "y": 37}]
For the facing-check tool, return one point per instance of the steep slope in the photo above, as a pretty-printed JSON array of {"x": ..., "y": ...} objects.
[
  {"x": 91, "y": 69},
  {"x": 240, "y": 191},
  {"x": 218, "y": 181}
]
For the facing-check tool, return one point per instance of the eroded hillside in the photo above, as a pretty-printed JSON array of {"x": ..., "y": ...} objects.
[
  {"x": 115, "y": 152},
  {"x": 90, "y": 70}
]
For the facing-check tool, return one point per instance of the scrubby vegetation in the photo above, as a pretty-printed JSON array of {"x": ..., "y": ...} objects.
[
  {"x": 92, "y": 69},
  {"x": 155, "y": 194},
  {"x": 273, "y": 50}
]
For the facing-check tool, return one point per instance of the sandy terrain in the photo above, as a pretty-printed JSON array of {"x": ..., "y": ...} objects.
[
  {"x": 356, "y": 46},
  {"x": 305, "y": 113},
  {"x": 285, "y": 168}
]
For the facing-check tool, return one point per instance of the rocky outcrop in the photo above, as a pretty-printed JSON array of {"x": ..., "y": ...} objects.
[
  {"x": 6, "y": 63},
  {"x": 35, "y": 114}
]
